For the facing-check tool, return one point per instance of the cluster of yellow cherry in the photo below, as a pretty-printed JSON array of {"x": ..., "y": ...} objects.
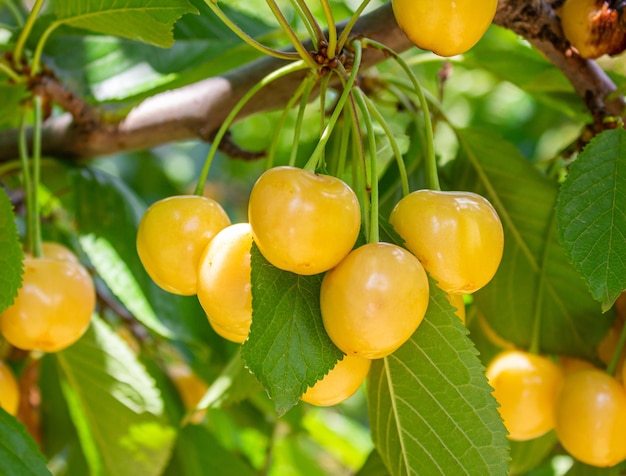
[{"x": 373, "y": 297}]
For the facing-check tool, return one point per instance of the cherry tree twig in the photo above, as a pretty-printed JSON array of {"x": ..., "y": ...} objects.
[{"x": 197, "y": 110}]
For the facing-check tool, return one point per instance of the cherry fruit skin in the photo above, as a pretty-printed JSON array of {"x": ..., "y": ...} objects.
[
  {"x": 446, "y": 27},
  {"x": 53, "y": 307},
  {"x": 224, "y": 288},
  {"x": 303, "y": 222},
  {"x": 374, "y": 300},
  {"x": 340, "y": 383},
  {"x": 591, "y": 418},
  {"x": 525, "y": 385},
  {"x": 171, "y": 237},
  {"x": 457, "y": 236},
  {"x": 9, "y": 390}
]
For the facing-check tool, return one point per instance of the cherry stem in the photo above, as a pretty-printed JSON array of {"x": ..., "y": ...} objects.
[
  {"x": 432, "y": 179},
  {"x": 21, "y": 40},
  {"x": 312, "y": 163},
  {"x": 6, "y": 69},
  {"x": 271, "y": 154},
  {"x": 273, "y": 76},
  {"x": 308, "y": 82},
  {"x": 343, "y": 38},
  {"x": 37, "y": 251},
  {"x": 286, "y": 55},
  {"x": 404, "y": 180},
  {"x": 332, "y": 29},
  {"x": 343, "y": 148},
  {"x": 28, "y": 183},
  {"x": 374, "y": 235},
  {"x": 40, "y": 45},
  {"x": 359, "y": 169},
  {"x": 612, "y": 367},
  {"x": 315, "y": 30},
  {"x": 293, "y": 37}
]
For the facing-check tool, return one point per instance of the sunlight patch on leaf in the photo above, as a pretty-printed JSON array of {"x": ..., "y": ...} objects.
[{"x": 115, "y": 405}]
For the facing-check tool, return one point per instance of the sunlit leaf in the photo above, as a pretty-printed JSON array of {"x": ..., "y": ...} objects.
[
  {"x": 288, "y": 349},
  {"x": 11, "y": 255},
  {"x": 19, "y": 455},
  {"x": 535, "y": 279},
  {"x": 430, "y": 407},
  {"x": 591, "y": 215},
  {"x": 115, "y": 405},
  {"x": 150, "y": 22}
]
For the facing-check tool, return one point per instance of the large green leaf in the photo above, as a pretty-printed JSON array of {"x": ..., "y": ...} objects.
[
  {"x": 109, "y": 68},
  {"x": 535, "y": 279},
  {"x": 430, "y": 407},
  {"x": 115, "y": 406},
  {"x": 11, "y": 255},
  {"x": 19, "y": 455},
  {"x": 288, "y": 349},
  {"x": 591, "y": 215},
  {"x": 11, "y": 96},
  {"x": 150, "y": 22}
]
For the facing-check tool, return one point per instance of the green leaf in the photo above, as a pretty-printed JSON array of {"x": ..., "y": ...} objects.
[
  {"x": 115, "y": 405},
  {"x": 535, "y": 278},
  {"x": 19, "y": 455},
  {"x": 149, "y": 22},
  {"x": 591, "y": 215},
  {"x": 11, "y": 255},
  {"x": 430, "y": 407},
  {"x": 288, "y": 349},
  {"x": 199, "y": 453}
]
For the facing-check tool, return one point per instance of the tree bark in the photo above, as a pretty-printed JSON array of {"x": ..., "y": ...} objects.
[{"x": 198, "y": 110}]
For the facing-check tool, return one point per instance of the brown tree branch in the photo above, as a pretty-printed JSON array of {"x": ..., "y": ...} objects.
[{"x": 198, "y": 110}]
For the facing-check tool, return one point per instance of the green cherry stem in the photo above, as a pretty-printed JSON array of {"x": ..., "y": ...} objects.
[
  {"x": 343, "y": 38},
  {"x": 343, "y": 147},
  {"x": 309, "y": 82},
  {"x": 273, "y": 76},
  {"x": 286, "y": 55},
  {"x": 332, "y": 29},
  {"x": 312, "y": 163},
  {"x": 8, "y": 70},
  {"x": 432, "y": 179},
  {"x": 374, "y": 236},
  {"x": 359, "y": 170},
  {"x": 315, "y": 30},
  {"x": 28, "y": 183},
  {"x": 37, "y": 172},
  {"x": 28, "y": 26},
  {"x": 293, "y": 37},
  {"x": 271, "y": 153},
  {"x": 612, "y": 367},
  {"x": 404, "y": 179}
]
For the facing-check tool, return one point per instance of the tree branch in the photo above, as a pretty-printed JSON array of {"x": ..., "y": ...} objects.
[{"x": 198, "y": 110}]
